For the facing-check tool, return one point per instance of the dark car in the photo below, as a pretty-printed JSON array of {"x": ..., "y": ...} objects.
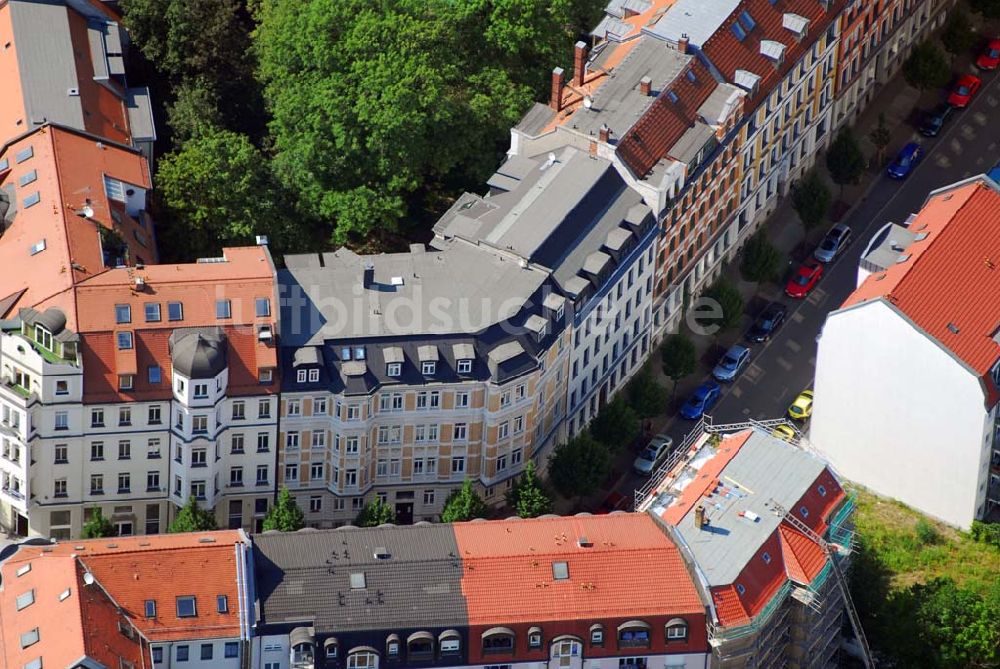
[
  {"x": 907, "y": 159},
  {"x": 934, "y": 120},
  {"x": 769, "y": 321}
]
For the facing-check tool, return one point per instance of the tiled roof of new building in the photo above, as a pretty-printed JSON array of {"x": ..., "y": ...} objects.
[
  {"x": 626, "y": 567},
  {"x": 947, "y": 278}
]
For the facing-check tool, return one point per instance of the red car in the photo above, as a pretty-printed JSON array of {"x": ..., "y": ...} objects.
[
  {"x": 804, "y": 279},
  {"x": 964, "y": 89},
  {"x": 990, "y": 57}
]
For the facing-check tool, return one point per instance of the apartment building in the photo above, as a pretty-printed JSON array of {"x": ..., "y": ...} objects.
[
  {"x": 766, "y": 528},
  {"x": 907, "y": 368},
  {"x": 876, "y": 39},
  {"x": 518, "y": 593},
  {"x": 132, "y": 602}
]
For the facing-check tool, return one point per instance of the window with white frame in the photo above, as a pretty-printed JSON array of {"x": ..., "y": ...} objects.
[
  {"x": 461, "y": 400},
  {"x": 464, "y": 366},
  {"x": 460, "y": 432}
]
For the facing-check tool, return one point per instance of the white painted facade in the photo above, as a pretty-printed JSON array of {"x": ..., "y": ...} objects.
[
  {"x": 899, "y": 414},
  {"x": 199, "y": 654}
]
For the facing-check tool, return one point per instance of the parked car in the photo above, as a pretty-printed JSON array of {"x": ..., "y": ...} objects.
[
  {"x": 964, "y": 90},
  {"x": 989, "y": 59},
  {"x": 994, "y": 173},
  {"x": 934, "y": 120},
  {"x": 802, "y": 406},
  {"x": 804, "y": 279},
  {"x": 907, "y": 159},
  {"x": 836, "y": 240},
  {"x": 615, "y": 501},
  {"x": 732, "y": 363},
  {"x": 769, "y": 322},
  {"x": 783, "y": 432},
  {"x": 655, "y": 451},
  {"x": 701, "y": 400}
]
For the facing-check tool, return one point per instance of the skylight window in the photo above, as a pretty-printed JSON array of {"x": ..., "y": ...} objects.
[
  {"x": 672, "y": 96},
  {"x": 738, "y": 31},
  {"x": 28, "y": 177},
  {"x": 24, "y": 570},
  {"x": 560, "y": 571},
  {"x": 358, "y": 581},
  {"x": 150, "y": 608},
  {"x": 32, "y": 200},
  {"x": 26, "y": 599},
  {"x": 186, "y": 607},
  {"x": 691, "y": 76},
  {"x": 747, "y": 21},
  {"x": 24, "y": 154},
  {"x": 222, "y": 603}
]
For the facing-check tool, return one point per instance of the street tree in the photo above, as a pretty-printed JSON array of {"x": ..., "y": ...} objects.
[
  {"x": 845, "y": 160},
  {"x": 578, "y": 467},
  {"x": 616, "y": 424},
  {"x": 646, "y": 396},
  {"x": 761, "y": 260},
  {"x": 527, "y": 496},
  {"x": 811, "y": 199},
  {"x": 97, "y": 526},
  {"x": 679, "y": 359},
  {"x": 192, "y": 518},
  {"x": 958, "y": 624},
  {"x": 729, "y": 300},
  {"x": 285, "y": 515},
  {"x": 927, "y": 67},
  {"x": 957, "y": 35},
  {"x": 375, "y": 513},
  {"x": 880, "y": 136},
  {"x": 464, "y": 504}
]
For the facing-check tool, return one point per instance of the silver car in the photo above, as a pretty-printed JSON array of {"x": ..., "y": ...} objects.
[
  {"x": 657, "y": 449},
  {"x": 835, "y": 241}
]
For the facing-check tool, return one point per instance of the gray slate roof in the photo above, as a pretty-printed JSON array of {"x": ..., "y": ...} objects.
[
  {"x": 306, "y": 577},
  {"x": 699, "y": 19},
  {"x": 765, "y": 468},
  {"x": 198, "y": 353}
]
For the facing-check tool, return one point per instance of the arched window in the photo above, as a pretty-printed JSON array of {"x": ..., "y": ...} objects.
[
  {"x": 597, "y": 635},
  {"x": 331, "y": 648},
  {"x": 392, "y": 647},
  {"x": 498, "y": 640},
  {"x": 363, "y": 657},
  {"x": 677, "y": 630},
  {"x": 420, "y": 646},
  {"x": 303, "y": 644},
  {"x": 534, "y": 637},
  {"x": 450, "y": 642},
  {"x": 633, "y": 634}
]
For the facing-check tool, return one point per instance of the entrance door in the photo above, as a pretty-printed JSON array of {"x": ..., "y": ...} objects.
[
  {"x": 566, "y": 654},
  {"x": 404, "y": 513},
  {"x": 22, "y": 526}
]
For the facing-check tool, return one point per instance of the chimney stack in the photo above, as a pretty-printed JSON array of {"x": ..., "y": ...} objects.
[
  {"x": 579, "y": 62},
  {"x": 646, "y": 85},
  {"x": 605, "y": 133},
  {"x": 682, "y": 43},
  {"x": 558, "y": 78},
  {"x": 368, "y": 276},
  {"x": 699, "y": 517}
]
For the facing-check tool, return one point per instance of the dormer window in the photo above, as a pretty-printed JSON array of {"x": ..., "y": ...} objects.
[
  {"x": 125, "y": 381},
  {"x": 596, "y": 635},
  {"x": 677, "y": 629},
  {"x": 392, "y": 647},
  {"x": 313, "y": 375},
  {"x": 498, "y": 640},
  {"x": 43, "y": 337},
  {"x": 535, "y": 637},
  {"x": 300, "y": 376},
  {"x": 345, "y": 353},
  {"x": 394, "y": 369},
  {"x": 464, "y": 366},
  {"x": 331, "y": 648},
  {"x": 428, "y": 367}
]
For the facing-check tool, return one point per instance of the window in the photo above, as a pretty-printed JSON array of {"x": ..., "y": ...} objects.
[
  {"x": 223, "y": 309},
  {"x": 596, "y": 635},
  {"x": 633, "y": 634},
  {"x": 97, "y": 450},
  {"x": 313, "y": 375},
  {"x": 316, "y": 471},
  {"x": 804, "y": 512},
  {"x": 155, "y": 374},
  {"x": 200, "y": 391},
  {"x": 262, "y": 307},
  {"x": 291, "y": 472},
  {"x": 124, "y": 416},
  {"x": 740, "y": 589},
  {"x": 152, "y": 481},
  {"x": 150, "y": 608},
  {"x": 199, "y": 424},
  {"x": 25, "y": 600},
  {"x": 222, "y": 604},
  {"x": 175, "y": 311},
  {"x": 677, "y": 630},
  {"x": 125, "y": 381},
  {"x": 292, "y": 440},
  {"x": 62, "y": 388},
  {"x": 362, "y": 660},
  {"x": 464, "y": 366},
  {"x": 124, "y": 449},
  {"x": 505, "y": 398},
  {"x": 182, "y": 653},
  {"x": 461, "y": 400},
  {"x": 534, "y": 639},
  {"x": 503, "y": 430},
  {"x": 198, "y": 457},
  {"x": 124, "y": 341},
  {"x": 822, "y": 491},
  {"x": 394, "y": 369},
  {"x": 96, "y": 484},
  {"x": 500, "y": 641},
  {"x": 152, "y": 310},
  {"x": 59, "y": 488},
  {"x": 315, "y": 504},
  {"x": 157, "y": 655},
  {"x": 261, "y": 474},
  {"x": 198, "y": 489},
  {"x": 450, "y": 644},
  {"x": 61, "y": 454},
  {"x": 428, "y": 367},
  {"x": 294, "y": 408},
  {"x": 428, "y": 498},
  {"x": 457, "y": 465},
  {"x": 186, "y": 607},
  {"x": 460, "y": 432},
  {"x": 235, "y": 477},
  {"x": 153, "y": 448},
  {"x": 263, "y": 409},
  {"x": 62, "y": 420},
  {"x": 263, "y": 442},
  {"x": 300, "y": 376},
  {"x": 123, "y": 313},
  {"x": 232, "y": 649}
]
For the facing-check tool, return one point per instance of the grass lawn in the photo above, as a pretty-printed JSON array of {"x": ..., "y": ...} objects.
[{"x": 913, "y": 555}]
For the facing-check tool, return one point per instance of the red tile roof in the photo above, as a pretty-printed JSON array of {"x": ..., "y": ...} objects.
[
  {"x": 952, "y": 276},
  {"x": 508, "y": 570},
  {"x": 708, "y": 477},
  {"x": 729, "y": 54},
  {"x": 663, "y": 124}
]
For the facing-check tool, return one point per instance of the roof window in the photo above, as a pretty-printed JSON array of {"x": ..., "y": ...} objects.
[
  {"x": 150, "y": 608},
  {"x": 738, "y": 31},
  {"x": 560, "y": 571},
  {"x": 26, "y": 599},
  {"x": 29, "y": 638},
  {"x": 672, "y": 96},
  {"x": 28, "y": 177},
  {"x": 747, "y": 21},
  {"x": 24, "y": 154},
  {"x": 358, "y": 581},
  {"x": 222, "y": 604},
  {"x": 123, "y": 313},
  {"x": 37, "y": 247},
  {"x": 740, "y": 589},
  {"x": 21, "y": 571},
  {"x": 32, "y": 199},
  {"x": 186, "y": 607}
]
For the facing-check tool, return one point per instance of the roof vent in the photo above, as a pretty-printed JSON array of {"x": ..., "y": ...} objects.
[
  {"x": 584, "y": 542},
  {"x": 73, "y": 92},
  {"x": 896, "y": 246},
  {"x": 952, "y": 328},
  {"x": 382, "y": 553}
]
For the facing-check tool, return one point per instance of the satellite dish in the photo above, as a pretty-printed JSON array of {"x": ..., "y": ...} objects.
[
  {"x": 88, "y": 211},
  {"x": 88, "y": 578},
  {"x": 588, "y": 102}
]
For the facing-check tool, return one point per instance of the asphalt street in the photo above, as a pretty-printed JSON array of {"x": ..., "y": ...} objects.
[{"x": 783, "y": 366}]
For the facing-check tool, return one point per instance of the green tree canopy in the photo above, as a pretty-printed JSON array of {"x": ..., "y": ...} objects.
[
  {"x": 615, "y": 425},
  {"x": 957, "y": 35},
  {"x": 761, "y": 260},
  {"x": 285, "y": 515},
  {"x": 579, "y": 466},
  {"x": 927, "y": 67},
  {"x": 194, "y": 112},
  {"x": 464, "y": 504},
  {"x": 728, "y": 297},
  {"x": 679, "y": 358},
  {"x": 192, "y": 518},
  {"x": 844, "y": 160},
  {"x": 97, "y": 526},
  {"x": 647, "y": 397},
  {"x": 375, "y": 513},
  {"x": 811, "y": 199},
  {"x": 527, "y": 497},
  {"x": 880, "y": 136},
  {"x": 958, "y": 625},
  {"x": 218, "y": 191}
]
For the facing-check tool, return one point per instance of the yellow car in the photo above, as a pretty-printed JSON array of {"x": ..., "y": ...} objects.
[
  {"x": 783, "y": 432},
  {"x": 802, "y": 407}
]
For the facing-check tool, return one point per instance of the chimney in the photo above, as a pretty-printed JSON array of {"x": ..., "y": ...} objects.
[
  {"x": 605, "y": 133},
  {"x": 699, "y": 517},
  {"x": 555, "y": 99},
  {"x": 368, "y": 276},
  {"x": 579, "y": 62},
  {"x": 646, "y": 85},
  {"x": 682, "y": 43}
]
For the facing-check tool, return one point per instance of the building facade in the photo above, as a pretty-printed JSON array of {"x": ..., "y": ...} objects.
[{"x": 916, "y": 335}]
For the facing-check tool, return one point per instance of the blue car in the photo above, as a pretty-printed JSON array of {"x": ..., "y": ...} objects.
[
  {"x": 732, "y": 363},
  {"x": 994, "y": 173},
  {"x": 907, "y": 159},
  {"x": 701, "y": 400}
]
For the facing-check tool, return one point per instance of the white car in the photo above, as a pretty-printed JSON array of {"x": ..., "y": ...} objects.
[{"x": 655, "y": 451}]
